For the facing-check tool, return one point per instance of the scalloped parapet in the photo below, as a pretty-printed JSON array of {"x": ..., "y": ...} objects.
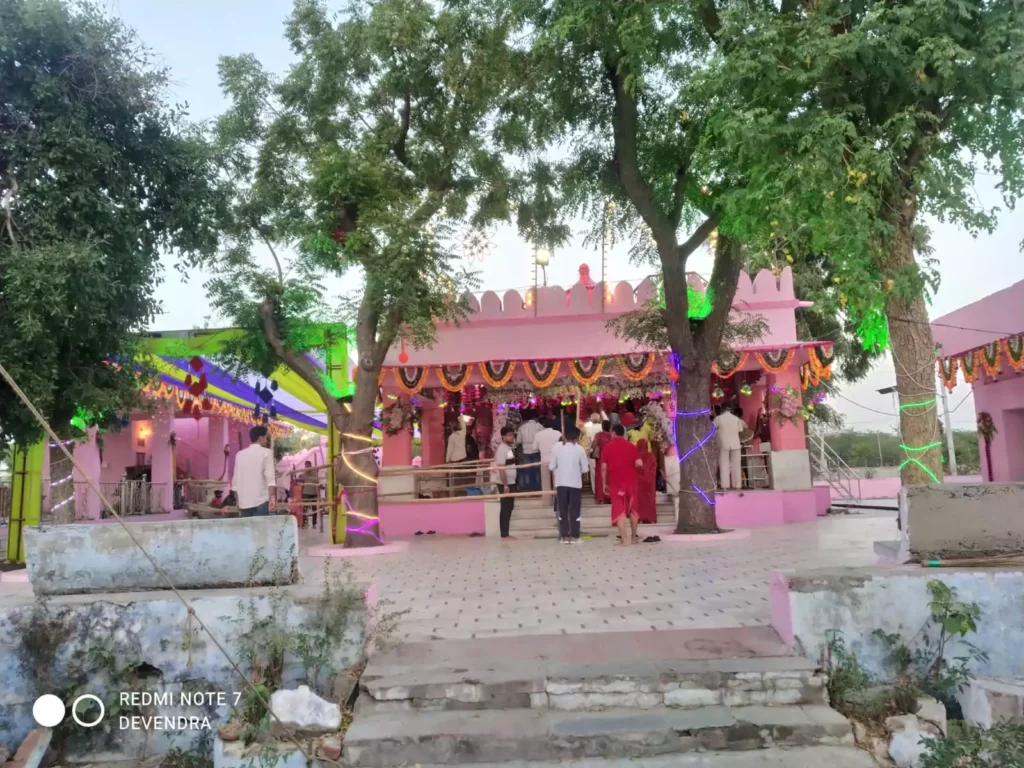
[{"x": 765, "y": 290}]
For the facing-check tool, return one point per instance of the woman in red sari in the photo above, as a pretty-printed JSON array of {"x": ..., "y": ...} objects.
[
  {"x": 600, "y": 479},
  {"x": 623, "y": 462},
  {"x": 646, "y": 504}
]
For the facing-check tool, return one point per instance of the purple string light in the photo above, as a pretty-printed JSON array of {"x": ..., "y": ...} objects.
[
  {"x": 701, "y": 444},
  {"x": 703, "y": 495},
  {"x": 365, "y": 529},
  {"x": 689, "y": 414}
]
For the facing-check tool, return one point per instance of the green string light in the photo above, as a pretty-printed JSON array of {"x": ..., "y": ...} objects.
[{"x": 920, "y": 450}]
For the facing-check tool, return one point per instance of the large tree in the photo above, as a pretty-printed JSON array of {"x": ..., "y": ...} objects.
[
  {"x": 99, "y": 174},
  {"x": 622, "y": 89},
  {"x": 884, "y": 111},
  {"x": 364, "y": 156}
]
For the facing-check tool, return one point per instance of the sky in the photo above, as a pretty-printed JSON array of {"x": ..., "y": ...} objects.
[{"x": 189, "y": 36}]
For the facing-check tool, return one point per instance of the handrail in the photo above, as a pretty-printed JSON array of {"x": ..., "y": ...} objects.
[{"x": 836, "y": 472}]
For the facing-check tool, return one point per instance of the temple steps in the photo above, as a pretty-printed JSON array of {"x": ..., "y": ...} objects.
[
  {"x": 615, "y": 695},
  {"x": 536, "y": 518}
]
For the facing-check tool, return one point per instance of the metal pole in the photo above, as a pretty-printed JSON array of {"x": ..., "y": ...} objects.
[
  {"x": 949, "y": 429},
  {"x": 878, "y": 437}
]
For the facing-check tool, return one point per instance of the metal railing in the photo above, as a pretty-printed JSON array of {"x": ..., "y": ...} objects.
[
  {"x": 5, "y": 500},
  {"x": 134, "y": 497},
  {"x": 195, "y": 491},
  {"x": 829, "y": 466}
]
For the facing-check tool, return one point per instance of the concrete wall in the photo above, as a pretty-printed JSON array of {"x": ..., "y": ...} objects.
[
  {"x": 73, "y": 559},
  {"x": 806, "y": 605},
  {"x": 458, "y": 517},
  {"x": 154, "y": 629},
  {"x": 950, "y": 521}
]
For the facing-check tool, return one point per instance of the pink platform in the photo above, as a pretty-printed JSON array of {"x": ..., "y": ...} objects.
[
  {"x": 454, "y": 518},
  {"x": 745, "y": 509}
]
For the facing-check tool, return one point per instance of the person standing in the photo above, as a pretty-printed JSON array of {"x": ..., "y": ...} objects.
[
  {"x": 528, "y": 432},
  {"x": 253, "y": 480},
  {"x": 622, "y": 460},
  {"x": 568, "y": 465},
  {"x": 505, "y": 459},
  {"x": 547, "y": 439},
  {"x": 310, "y": 493},
  {"x": 729, "y": 427}
]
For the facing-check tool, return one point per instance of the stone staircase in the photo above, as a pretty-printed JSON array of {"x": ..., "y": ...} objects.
[
  {"x": 535, "y": 518},
  {"x": 564, "y": 697}
]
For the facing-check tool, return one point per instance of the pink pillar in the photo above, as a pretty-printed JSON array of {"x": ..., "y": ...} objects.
[
  {"x": 397, "y": 449},
  {"x": 163, "y": 460},
  {"x": 787, "y": 436},
  {"x": 87, "y": 455},
  {"x": 432, "y": 435},
  {"x": 217, "y": 437}
]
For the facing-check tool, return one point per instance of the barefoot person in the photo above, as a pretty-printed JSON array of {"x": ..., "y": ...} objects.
[
  {"x": 505, "y": 459},
  {"x": 622, "y": 460}
]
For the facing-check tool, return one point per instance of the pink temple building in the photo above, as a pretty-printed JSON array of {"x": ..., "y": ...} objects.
[
  {"x": 983, "y": 343},
  {"x": 551, "y": 350}
]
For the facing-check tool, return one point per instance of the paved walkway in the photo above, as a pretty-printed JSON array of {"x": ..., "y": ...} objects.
[{"x": 476, "y": 587}]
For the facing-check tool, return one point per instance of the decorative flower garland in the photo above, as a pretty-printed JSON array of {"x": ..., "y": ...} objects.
[
  {"x": 170, "y": 393},
  {"x": 636, "y": 367},
  {"x": 947, "y": 371},
  {"x": 410, "y": 380},
  {"x": 454, "y": 377},
  {"x": 588, "y": 371},
  {"x": 969, "y": 365},
  {"x": 661, "y": 427},
  {"x": 990, "y": 359},
  {"x": 775, "y": 360},
  {"x": 987, "y": 430},
  {"x": 726, "y": 366},
  {"x": 787, "y": 405},
  {"x": 542, "y": 373},
  {"x": 820, "y": 360},
  {"x": 397, "y": 417},
  {"x": 497, "y": 375},
  {"x": 1013, "y": 346}
]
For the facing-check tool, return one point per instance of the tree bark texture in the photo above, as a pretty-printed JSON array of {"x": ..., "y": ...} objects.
[
  {"x": 913, "y": 356},
  {"x": 697, "y": 449}
]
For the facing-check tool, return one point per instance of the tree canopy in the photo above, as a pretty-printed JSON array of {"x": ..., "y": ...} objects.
[{"x": 99, "y": 175}]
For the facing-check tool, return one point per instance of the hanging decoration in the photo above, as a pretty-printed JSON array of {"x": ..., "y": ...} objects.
[
  {"x": 497, "y": 374},
  {"x": 178, "y": 397},
  {"x": 410, "y": 380},
  {"x": 403, "y": 356},
  {"x": 1014, "y": 348},
  {"x": 820, "y": 360},
  {"x": 987, "y": 430},
  {"x": 947, "y": 371},
  {"x": 265, "y": 409},
  {"x": 728, "y": 363},
  {"x": 454, "y": 377},
  {"x": 636, "y": 367},
  {"x": 989, "y": 355},
  {"x": 776, "y": 360},
  {"x": 969, "y": 365},
  {"x": 718, "y": 393},
  {"x": 746, "y": 390},
  {"x": 196, "y": 384},
  {"x": 476, "y": 244},
  {"x": 587, "y": 371},
  {"x": 542, "y": 373},
  {"x": 787, "y": 406}
]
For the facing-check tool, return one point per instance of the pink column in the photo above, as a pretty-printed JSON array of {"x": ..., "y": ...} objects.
[
  {"x": 87, "y": 455},
  {"x": 163, "y": 461},
  {"x": 397, "y": 449},
  {"x": 787, "y": 436},
  {"x": 216, "y": 438},
  {"x": 432, "y": 435}
]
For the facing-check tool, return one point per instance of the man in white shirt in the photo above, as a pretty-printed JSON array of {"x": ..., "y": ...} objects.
[
  {"x": 529, "y": 479},
  {"x": 253, "y": 479},
  {"x": 729, "y": 428},
  {"x": 505, "y": 478},
  {"x": 569, "y": 465},
  {"x": 547, "y": 439}
]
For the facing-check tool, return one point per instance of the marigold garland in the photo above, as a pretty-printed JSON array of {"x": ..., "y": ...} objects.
[
  {"x": 171, "y": 393},
  {"x": 1014, "y": 348},
  {"x": 776, "y": 360},
  {"x": 497, "y": 378},
  {"x": 969, "y": 365},
  {"x": 587, "y": 375},
  {"x": 410, "y": 386},
  {"x": 820, "y": 359},
  {"x": 727, "y": 371},
  {"x": 542, "y": 377},
  {"x": 457, "y": 382},
  {"x": 805, "y": 376},
  {"x": 947, "y": 371},
  {"x": 990, "y": 359},
  {"x": 636, "y": 371}
]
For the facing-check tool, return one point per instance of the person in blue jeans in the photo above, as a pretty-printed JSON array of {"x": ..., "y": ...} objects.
[
  {"x": 568, "y": 465},
  {"x": 529, "y": 478},
  {"x": 254, "y": 480}
]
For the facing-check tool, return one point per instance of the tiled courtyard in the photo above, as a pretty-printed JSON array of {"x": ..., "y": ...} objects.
[{"x": 476, "y": 587}]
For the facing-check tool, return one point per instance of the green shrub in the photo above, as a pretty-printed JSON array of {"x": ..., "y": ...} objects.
[{"x": 968, "y": 746}]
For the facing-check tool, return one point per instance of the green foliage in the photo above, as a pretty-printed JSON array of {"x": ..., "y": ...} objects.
[
  {"x": 99, "y": 176},
  {"x": 968, "y": 746},
  {"x": 860, "y": 449}
]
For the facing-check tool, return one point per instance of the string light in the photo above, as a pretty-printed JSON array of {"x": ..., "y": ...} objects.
[
  {"x": 920, "y": 450},
  {"x": 703, "y": 495},
  {"x": 700, "y": 444},
  {"x": 62, "y": 480},
  {"x": 687, "y": 414},
  {"x": 66, "y": 501}
]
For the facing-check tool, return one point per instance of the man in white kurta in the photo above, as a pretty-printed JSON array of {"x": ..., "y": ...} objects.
[{"x": 729, "y": 428}]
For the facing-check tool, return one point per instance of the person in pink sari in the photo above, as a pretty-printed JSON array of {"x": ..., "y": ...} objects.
[
  {"x": 646, "y": 494},
  {"x": 600, "y": 478}
]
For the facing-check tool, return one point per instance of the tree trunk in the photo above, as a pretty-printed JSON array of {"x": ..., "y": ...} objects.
[
  {"x": 698, "y": 457},
  {"x": 357, "y": 468},
  {"x": 913, "y": 356}
]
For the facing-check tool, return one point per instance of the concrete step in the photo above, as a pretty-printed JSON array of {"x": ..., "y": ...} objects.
[
  {"x": 567, "y": 686},
  {"x": 493, "y": 736}
]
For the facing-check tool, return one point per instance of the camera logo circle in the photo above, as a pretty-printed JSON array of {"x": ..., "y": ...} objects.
[
  {"x": 88, "y": 697},
  {"x": 48, "y": 710}
]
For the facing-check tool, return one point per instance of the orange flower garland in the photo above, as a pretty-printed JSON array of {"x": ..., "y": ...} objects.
[
  {"x": 410, "y": 386},
  {"x": 766, "y": 361},
  {"x": 457, "y": 382},
  {"x": 636, "y": 373},
  {"x": 969, "y": 365},
  {"x": 538, "y": 378},
  {"x": 1013, "y": 346},
  {"x": 947, "y": 371},
  {"x": 495, "y": 378},
  {"x": 728, "y": 372},
  {"x": 579, "y": 372}
]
